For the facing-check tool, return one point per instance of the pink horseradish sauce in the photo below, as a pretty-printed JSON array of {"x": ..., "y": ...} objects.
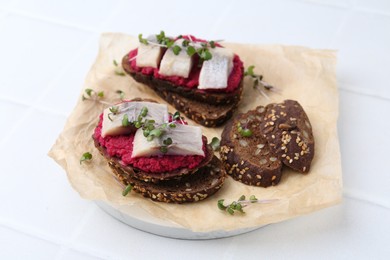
[
  {"x": 121, "y": 146},
  {"x": 193, "y": 79}
]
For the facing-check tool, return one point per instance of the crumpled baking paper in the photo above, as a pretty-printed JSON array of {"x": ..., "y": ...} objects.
[{"x": 299, "y": 73}]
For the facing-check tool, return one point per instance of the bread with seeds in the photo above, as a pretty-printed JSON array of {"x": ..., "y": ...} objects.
[
  {"x": 288, "y": 130},
  {"x": 249, "y": 159},
  {"x": 255, "y": 145}
]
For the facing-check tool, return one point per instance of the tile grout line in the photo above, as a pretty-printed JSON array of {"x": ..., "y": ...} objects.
[
  {"x": 363, "y": 197},
  {"x": 341, "y": 27},
  {"x": 69, "y": 244},
  {"x": 366, "y": 93},
  {"x": 220, "y": 19},
  {"x": 14, "y": 11},
  {"x": 38, "y": 100}
]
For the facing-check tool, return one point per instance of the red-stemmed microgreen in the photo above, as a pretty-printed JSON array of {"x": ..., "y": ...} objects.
[
  {"x": 93, "y": 95},
  {"x": 258, "y": 82},
  {"x": 242, "y": 202}
]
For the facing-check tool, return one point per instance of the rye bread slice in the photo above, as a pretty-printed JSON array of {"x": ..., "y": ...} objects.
[
  {"x": 288, "y": 131},
  {"x": 150, "y": 176},
  {"x": 249, "y": 159},
  {"x": 191, "y": 188},
  {"x": 202, "y": 113},
  {"x": 213, "y": 98}
]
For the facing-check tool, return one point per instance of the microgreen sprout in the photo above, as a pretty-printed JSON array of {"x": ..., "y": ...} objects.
[
  {"x": 243, "y": 131},
  {"x": 127, "y": 190},
  {"x": 92, "y": 95},
  {"x": 118, "y": 70},
  {"x": 121, "y": 94},
  {"x": 142, "y": 40},
  {"x": 237, "y": 205},
  {"x": 85, "y": 157},
  {"x": 258, "y": 82},
  {"x": 215, "y": 143},
  {"x": 188, "y": 44}
]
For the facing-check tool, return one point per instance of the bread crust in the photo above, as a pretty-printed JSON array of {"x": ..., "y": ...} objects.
[{"x": 191, "y": 188}]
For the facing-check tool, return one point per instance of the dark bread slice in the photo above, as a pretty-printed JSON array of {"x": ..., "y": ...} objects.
[
  {"x": 202, "y": 113},
  {"x": 289, "y": 133},
  {"x": 249, "y": 159},
  {"x": 192, "y": 188},
  {"x": 213, "y": 98},
  {"x": 149, "y": 176}
]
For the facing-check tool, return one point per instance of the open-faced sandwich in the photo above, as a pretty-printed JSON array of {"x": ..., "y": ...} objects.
[
  {"x": 200, "y": 78},
  {"x": 255, "y": 145},
  {"x": 157, "y": 153}
]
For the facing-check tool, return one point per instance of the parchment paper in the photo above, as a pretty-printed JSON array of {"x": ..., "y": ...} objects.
[{"x": 299, "y": 73}]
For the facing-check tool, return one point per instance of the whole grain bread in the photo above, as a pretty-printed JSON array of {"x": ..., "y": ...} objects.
[
  {"x": 281, "y": 135},
  {"x": 191, "y": 188},
  {"x": 249, "y": 159},
  {"x": 206, "y": 108},
  {"x": 288, "y": 130}
]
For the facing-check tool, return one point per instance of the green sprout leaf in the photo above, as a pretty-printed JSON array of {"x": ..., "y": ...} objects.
[
  {"x": 127, "y": 190},
  {"x": 144, "y": 111},
  {"x": 142, "y": 40},
  {"x": 191, "y": 51},
  {"x": 85, "y": 157},
  {"x": 164, "y": 149},
  {"x": 119, "y": 73},
  {"x": 249, "y": 71},
  {"x": 244, "y": 132},
  {"x": 89, "y": 91},
  {"x": 176, "y": 116},
  {"x": 121, "y": 94},
  {"x": 215, "y": 143},
  {"x": 125, "y": 120},
  {"x": 115, "y": 63},
  {"x": 176, "y": 49},
  {"x": 100, "y": 94}
]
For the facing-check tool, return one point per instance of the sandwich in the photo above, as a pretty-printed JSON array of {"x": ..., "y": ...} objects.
[
  {"x": 157, "y": 153},
  {"x": 201, "y": 79}
]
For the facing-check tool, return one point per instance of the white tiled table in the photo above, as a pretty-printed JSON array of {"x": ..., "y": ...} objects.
[{"x": 47, "y": 47}]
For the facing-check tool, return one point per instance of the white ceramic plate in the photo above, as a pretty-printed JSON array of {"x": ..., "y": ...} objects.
[{"x": 145, "y": 222}]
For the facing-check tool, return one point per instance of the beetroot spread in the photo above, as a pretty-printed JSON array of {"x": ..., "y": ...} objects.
[
  {"x": 193, "y": 79},
  {"x": 121, "y": 146}
]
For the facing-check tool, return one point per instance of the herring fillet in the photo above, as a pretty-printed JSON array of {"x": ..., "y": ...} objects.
[
  {"x": 187, "y": 140},
  {"x": 215, "y": 72},
  {"x": 149, "y": 55},
  {"x": 176, "y": 65},
  {"x": 113, "y": 126}
]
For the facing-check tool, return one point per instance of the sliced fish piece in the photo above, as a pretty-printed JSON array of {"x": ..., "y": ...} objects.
[
  {"x": 215, "y": 72},
  {"x": 176, "y": 65},
  {"x": 149, "y": 55},
  {"x": 186, "y": 140},
  {"x": 112, "y": 122}
]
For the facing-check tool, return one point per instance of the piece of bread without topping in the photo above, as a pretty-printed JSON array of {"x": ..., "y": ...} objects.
[
  {"x": 249, "y": 159},
  {"x": 281, "y": 135}
]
